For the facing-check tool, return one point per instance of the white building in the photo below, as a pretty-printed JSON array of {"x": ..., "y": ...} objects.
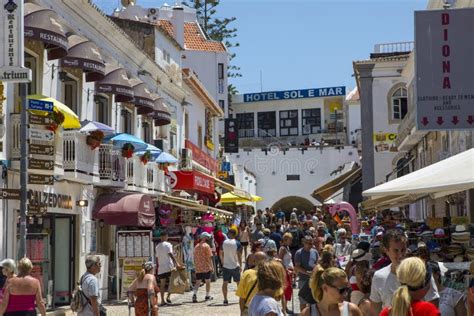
[{"x": 353, "y": 119}]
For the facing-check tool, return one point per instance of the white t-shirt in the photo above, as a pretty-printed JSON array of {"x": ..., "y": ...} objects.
[
  {"x": 448, "y": 300},
  {"x": 261, "y": 305},
  {"x": 230, "y": 248},
  {"x": 162, "y": 251},
  {"x": 90, "y": 288},
  {"x": 385, "y": 283}
]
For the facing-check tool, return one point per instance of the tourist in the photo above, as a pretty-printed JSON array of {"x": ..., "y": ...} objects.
[
  {"x": 231, "y": 263},
  {"x": 343, "y": 247},
  {"x": 270, "y": 281},
  {"x": 7, "y": 272},
  {"x": 306, "y": 259},
  {"x": 363, "y": 275},
  {"x": 451, "y": 301},
  {"x": 285, "y": 255},
  {"x": 415, "y": 282},
  {"x": 257, "y": 234},
  {"x": 330, "y": 288},
  {"x": 297, "y": 234},
  {"x": 250, "y": 261},
  {"x": 23, "y": 293},
  {"x": 268, "y": 244},
  {"x": 203, "y": 265},
  {"x": 275, "y": 235},
  {"x": 385, "y": 282},
  {"x": 143, "y": 292},
  {"x": 244, "y": 237},
  {"x": 90, "y": 286},
  {"x": 327, "y": 258},
  {"x": 219, "y": 239},
  {"x": 248, "y": 287},
  {"x": 166, "y": 262}
]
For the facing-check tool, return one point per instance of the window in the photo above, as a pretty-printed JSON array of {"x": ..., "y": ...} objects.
[
  {"x": 126, "y": 117},
  {"x": 267, "y": 124},
  {"x": 102, "y": 109},
  {"x": 289, "y": 123},
  {"x": 222, "y": 104},
  {"x": 146, "y": 130},
  {"x": 30, "y": 62},
  {"x": 311, "y": 121},
  {"x": 245, "y": 124},
  {"x": 220, "y": 70},
  {"x": 200, "y": 136},
  {"x": 292, "y": 177},
  {"x": 166, "y": 56},
  {"x": 399, "y": 103},
  {"x": 70, "y": 92}
]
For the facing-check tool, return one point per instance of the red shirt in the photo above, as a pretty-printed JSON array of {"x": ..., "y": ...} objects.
[{"x": 418, "y": 308}]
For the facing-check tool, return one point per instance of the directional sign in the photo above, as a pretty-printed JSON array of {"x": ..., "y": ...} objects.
[
  {"x": 40, "y": 164},
  {"x": 37, "y": 210},
  {"x": 40, "y": 105},
  {"x": 41, "y": 134},
  {"x": 9, "y": 194},
  {"x": 40, "y": 179},
  {"x": 444, "y": 67},
  {"x": 36, "y": 149},
  {"x": 39, "y": 120}
]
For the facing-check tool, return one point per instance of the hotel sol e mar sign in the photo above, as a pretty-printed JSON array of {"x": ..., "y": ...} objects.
[
  {"x": 12, "y": 68},
  {"x": 444, "y": 63}
]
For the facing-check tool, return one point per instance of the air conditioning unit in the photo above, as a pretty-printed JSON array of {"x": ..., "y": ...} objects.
[{"x": 186, "y": 159}]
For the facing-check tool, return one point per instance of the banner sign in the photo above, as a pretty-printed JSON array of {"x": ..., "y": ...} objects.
[
  {"x": 385, "y": 142},
  {"x": 11, "y": 36},
  {"x": 231, "y": 138},
  {"x": 295, "y": 94},
  {"x": 191, "y": 181},
  {"x": 444, "y": 66},
  {"x": 201, "y": 157}
]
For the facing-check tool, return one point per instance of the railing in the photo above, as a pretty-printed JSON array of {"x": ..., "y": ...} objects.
[
  {"x": 397, "y": 47},
  {"x": 111, "y": 166},
  {"x": 79, "y": 158}
]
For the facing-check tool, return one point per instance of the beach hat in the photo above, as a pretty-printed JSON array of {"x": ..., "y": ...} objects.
[
  {"x": 364, "y": 245},
  {"x": 421, "y": 244},
  {"x": 361, "y": 255},
  {"x": 461, "y": 234}
]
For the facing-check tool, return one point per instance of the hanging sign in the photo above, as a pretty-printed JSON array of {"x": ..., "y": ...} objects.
[
  {"x": 11, "y": 36},
  {"x": 40, "y": 179},
  {"x": 40, "y": 164},
  {"x": 39, "y": 119},
  {"x": 444, "y": 89},
  {"x": 231, "y": 138},
  {"x": 37, "y": 149},
  {"x": 41, "y": 134},
  {"x": 40, "y": 105},
  {"x": 9, "y": 194}
]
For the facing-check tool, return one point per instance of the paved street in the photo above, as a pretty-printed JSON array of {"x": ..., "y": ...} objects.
[{"x": 182, "y": 304}]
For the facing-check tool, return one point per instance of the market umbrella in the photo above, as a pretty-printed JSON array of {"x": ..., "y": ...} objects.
[
  {"x": 155, "y": 151},
  {"x": 71, "y": 120},
  {"x": 121, "y": 139},
  {"x": 229, "y": 197},
  {"x": 92, "y": 126},
  {"x": 165, "y": 157}
]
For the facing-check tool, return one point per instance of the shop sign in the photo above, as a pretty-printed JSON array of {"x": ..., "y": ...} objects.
[
  {"x": 295, "y": 94},
  {"x": 459, "y": 220},
  {"x": 11, "y": 36},
  {"x": 40, "y": 105},
  {"x": 444, "y": 89},
  {"x": 9, "y": 194},
  {"x": 37, "y": 149},
  {"x": 39, "y": 119},
  {"x": 40, "y": 179},
  {"x": 41, "y": 135},
  {"x": 385, "y": 142},
  {"x": 201, "y": 157},
  {"x": 40, "y": 164},
  {"x": 192, "y": 181},
  {"x": 231, "y": 138},
  {"x": 47, "y": 199}
]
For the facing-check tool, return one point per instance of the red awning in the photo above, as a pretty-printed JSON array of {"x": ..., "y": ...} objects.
[
  {"x": 191, "y": 181},
  {"x": 125, "y": 209}
]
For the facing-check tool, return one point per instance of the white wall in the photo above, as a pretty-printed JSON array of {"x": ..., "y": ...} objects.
[
  {"x": 353, "y": 120},
  {"x": 273, "y": 187}
]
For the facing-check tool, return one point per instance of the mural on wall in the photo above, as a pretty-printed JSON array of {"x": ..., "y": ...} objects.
[{"x": 385, "y": 142}]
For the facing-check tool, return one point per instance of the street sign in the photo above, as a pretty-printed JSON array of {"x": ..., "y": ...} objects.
[
  {"x": 39, "y": 120},
  {"x": 40, "y": 179},
  {"x": 36, "y": 149},
  {"x": 10, "y": 194},
  {"x": 37, "y": 210},
  {"x": 40, "y": 105},
  {"x": 444, "y": 66},
  {"x": 41, "y": 134},
  {"x": 40, "y": 164}
]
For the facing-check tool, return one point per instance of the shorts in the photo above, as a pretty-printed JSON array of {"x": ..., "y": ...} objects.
[
  {"x": 229, "y": 274},
  {"x": 165, "y": 276},
  {"x": 244, "y": 243},
  {"x": 203, "y": 276}
]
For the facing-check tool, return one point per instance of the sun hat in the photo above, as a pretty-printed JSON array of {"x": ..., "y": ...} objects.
[
  {"x": 360, "y": 255},
  {"x": 266, "y": 231},
  {"x": 148, "y": 265}
]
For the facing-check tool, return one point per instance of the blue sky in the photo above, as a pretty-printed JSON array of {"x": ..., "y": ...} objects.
[{"x": 298, "y": 44}]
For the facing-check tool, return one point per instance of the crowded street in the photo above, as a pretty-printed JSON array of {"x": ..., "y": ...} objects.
[{"x": 233, "y": 157}]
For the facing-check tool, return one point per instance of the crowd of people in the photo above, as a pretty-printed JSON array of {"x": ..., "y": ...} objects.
[{"x": 332, "y": 271}]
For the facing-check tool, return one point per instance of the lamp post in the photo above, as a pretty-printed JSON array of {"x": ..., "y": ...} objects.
[{"x": 335, "y": 123}]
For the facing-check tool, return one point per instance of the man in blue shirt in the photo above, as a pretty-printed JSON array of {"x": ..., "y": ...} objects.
[
  {"x": 306, "y": 259},
  {"x": 275, "y": 235}
]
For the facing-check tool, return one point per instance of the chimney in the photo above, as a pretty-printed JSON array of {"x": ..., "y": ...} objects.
[{"x": 178, "y": 24}]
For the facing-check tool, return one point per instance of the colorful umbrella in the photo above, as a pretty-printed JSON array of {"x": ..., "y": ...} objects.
[
  {"x": 92, "y": 126},
  {"x": 155, "y": 151},
  {"x": 121, "y": 139},
  {"x": 166, "y": 158}
]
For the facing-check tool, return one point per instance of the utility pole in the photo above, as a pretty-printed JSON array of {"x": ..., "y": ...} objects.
[{"x": 23, "y": 169}]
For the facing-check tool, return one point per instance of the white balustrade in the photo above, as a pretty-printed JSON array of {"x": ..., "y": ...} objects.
[
  {"x": 80, "y": 160},
  {"x": 112, "y": 166}
]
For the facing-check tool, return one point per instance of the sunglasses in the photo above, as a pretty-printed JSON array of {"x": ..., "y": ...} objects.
[{"x": 342, "y": 290}]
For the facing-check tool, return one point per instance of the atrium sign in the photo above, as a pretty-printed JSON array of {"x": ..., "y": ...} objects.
[
  {"x": 295, "y": 94},
  {"x": 444, "y": 68},
  {"x": 12, "y": 68}
]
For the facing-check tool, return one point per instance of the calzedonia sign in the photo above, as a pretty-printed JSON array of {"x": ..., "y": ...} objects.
[
  {"x": 295, "y": 94},
  {"x": 52, "y": 200}
]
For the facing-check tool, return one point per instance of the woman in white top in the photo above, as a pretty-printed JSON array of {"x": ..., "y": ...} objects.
[
  {"x": 330, "y": 288},
  {"x": 244, "y": 237},
  {"x": 270, "y": 282},
  {"x": 285, "y": 255},
  {"x": 451, "y": 301}
]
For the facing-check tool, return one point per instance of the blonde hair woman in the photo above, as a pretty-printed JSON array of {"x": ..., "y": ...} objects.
[
  {"x": 144, "y": 290},
  {"x": 330, "y": 288},
  {"x": 23, "y": 293},
  {"x": 415, "y": 282},
  {"x": 270, "y": 282}
]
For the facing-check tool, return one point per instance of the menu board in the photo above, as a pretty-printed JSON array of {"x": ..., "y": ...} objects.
[
  {"x": 130, "y": 247},
  {"x": 146, "y": 246},
  {"x": 122, "y": 246},
  {"x": 137, "y": 243}
]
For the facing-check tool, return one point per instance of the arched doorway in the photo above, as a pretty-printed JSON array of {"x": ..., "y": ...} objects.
[{"x": 286, "y": 204}]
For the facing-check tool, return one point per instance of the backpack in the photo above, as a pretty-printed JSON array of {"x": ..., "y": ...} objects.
[
  {"x": 79, "y": 299},
  {"x": 295, "y": 242}
]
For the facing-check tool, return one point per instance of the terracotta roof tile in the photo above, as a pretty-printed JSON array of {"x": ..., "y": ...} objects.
[{"x": 193, "y": 37}]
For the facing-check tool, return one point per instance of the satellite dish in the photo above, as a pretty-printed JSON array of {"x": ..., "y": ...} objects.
[{"x": 126, "y": 3}]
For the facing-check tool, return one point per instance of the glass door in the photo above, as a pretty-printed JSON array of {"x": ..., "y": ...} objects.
[{"x": 63, "y": 259}]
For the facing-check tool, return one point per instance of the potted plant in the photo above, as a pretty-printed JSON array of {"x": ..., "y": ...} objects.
[
  {"x": 57, "y": 119},
  {"x": 94, "y": 139},
  {"x": 146, "y": 157},
  {"x": 127, "y": 150}
]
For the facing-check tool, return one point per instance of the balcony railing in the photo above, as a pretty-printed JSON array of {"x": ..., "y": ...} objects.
[
  {"x": 81, "y": 163},
  {"x": 397, "y": 47},
  {"x": 111, "y": 166}
]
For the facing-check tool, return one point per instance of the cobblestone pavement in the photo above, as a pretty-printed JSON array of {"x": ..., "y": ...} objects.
[{"x": 182, "y": 304}]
